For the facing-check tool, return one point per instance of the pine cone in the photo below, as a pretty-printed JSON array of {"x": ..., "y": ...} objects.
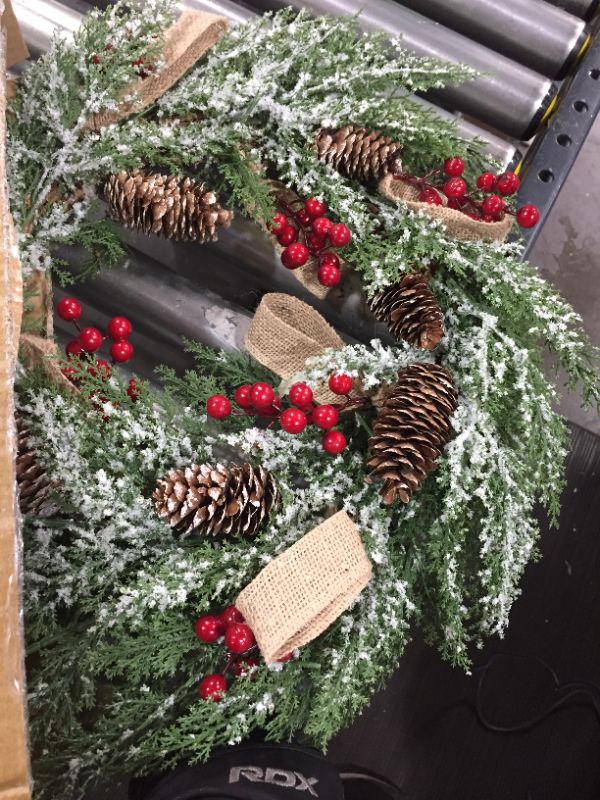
[
  {"x": 217, "y": 500},
  {"x": 411, "y": 429},
  {"x": 34, "y": 487},
  {"x": 178, "y": 208},
  {"x": 358, "y": 153},
  {"x": 411, "y": 312}
]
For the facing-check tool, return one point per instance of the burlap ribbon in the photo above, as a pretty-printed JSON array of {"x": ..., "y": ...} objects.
[
  {"x": 285, "y": 332},
  {"x": 459, "y": 225},
  {"x": 40, "y": 352},
  {"x": 186, "y": 41},
  {"x": 307, "y": 274},
  {"x": 300, "y": 593}
]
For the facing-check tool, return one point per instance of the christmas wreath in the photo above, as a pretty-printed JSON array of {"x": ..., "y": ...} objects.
[{"x": 399, "y": 480}]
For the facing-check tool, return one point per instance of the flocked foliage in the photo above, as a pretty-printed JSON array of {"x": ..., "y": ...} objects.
[{"x": 110, "y": 596}]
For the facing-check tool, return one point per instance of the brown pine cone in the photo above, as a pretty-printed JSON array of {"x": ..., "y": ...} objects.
[
  {"x": 213, "y": 501},
  {"x": 358, "y": 153},
  {"x": 411, "y": 429},
  {"x": 410, "y": 310},
  {"x": 33, "y": 485},
  {"x": 178, "y": 208}
]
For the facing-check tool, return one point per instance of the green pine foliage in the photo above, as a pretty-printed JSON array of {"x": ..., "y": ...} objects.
[{"x": 111, "y": 596}]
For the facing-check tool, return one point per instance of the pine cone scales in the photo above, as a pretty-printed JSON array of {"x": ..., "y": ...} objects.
[
  {"x": 217, "y": 500},
  {"x": 358, "y": 153},
  {"x": 411, "y": 429},
  {"x": 34, "y": 487},
  {"x": 178, "y": 208},
  {"x": 411, "y": 312}
]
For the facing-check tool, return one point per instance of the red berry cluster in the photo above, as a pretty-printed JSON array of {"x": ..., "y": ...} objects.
[
  {"x": 89, "y": 340},
  {"x": 315, "y": 234},
  {"x": 239, "y": 642},
  {"x": 486, "y": 202},
  {"x": 142, "y": 69},
  {"x": 260, "y": 400}
]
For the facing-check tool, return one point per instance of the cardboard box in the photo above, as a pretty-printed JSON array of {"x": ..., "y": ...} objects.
[{"x": 14, "y": 757}]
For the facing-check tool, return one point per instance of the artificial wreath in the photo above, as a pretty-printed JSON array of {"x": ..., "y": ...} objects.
[{"x": 150, "y": 514}]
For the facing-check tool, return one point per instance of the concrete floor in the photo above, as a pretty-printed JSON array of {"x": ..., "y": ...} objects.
[{"x": 567, "y": 253}]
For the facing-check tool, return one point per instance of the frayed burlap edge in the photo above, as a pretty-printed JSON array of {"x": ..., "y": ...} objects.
[
  {"x": 299, "y": 594},
  {"x": 307, "y": 274},
  {"x": 186, "y": 41},
  {"x": 458, "y": 224},
  {"x": 285, "y": 332}
]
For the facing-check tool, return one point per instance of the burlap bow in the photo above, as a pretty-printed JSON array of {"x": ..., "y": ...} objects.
[{"x": 300, "y": 593}]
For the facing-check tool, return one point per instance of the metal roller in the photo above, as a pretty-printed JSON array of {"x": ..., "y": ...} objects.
[
  {"x": 39, "y": 19},
  {"x": 581, "y": 8},
  {"x": 226, "y": 8},
  {"x": 532, "y": 32},
  {"x": 510, "y": 97}
]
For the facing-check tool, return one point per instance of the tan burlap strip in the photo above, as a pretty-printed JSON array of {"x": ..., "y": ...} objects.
[
  {"x": 285, "y": 332},
  {"x": 188, "y": 39},
  {"x": 307, "y": 275},
  {"x": 40, "y": 352},
  {"x": 458, "y": 224},
  {"x": 300, "y": 593}
]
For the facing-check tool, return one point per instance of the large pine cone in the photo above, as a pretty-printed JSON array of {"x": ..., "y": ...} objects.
[
  {"x": 178, "y": 208},
  {"x": 411, "y": 312},
  {"x": 411, "y": 429},
  {"x": 358, "y": 153},
  {"x": 34, "y": 487},
  {"x": 215, "y": 501}
]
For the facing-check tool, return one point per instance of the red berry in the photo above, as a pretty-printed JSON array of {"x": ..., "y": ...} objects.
[
  {"x": 329, "y": 258},
  {"x": 315, "y": 242},
  {"x": 69, "y": 309},
  {"x": 325, "y": 417},
  {"x": 74, "y": 348},
  {"x": 229, "y": 616},
  {"x": 121, "y": 351},
  {"x": 300, "y": 394},
  {"x": 334, "y": 442},
  {"x": 218, "y": 406},
  {"x": 208, "y": 628},
  {"x": 321, "y": 226},
  {"x": 239, "y": 638},
  {"x": 105, "y": 369},
  {"x": 293, "y": 420},
  {"x": 430, "y": 196},
  {"x": 528, "y": 216},
  {"x": 285, "y": 659},
  {"x": 486, "y": 181},
  {"x": 456, "y": 203},
  {"x": 119, "y": 328},
  {"x": 339, "y": 235},
  {"x": 303, "y": 217},
  {"x": 294, "y": 256},
  {"x": 274, "y": 410},
  {"x": 455, "y": 187},
  {"x": 508, "y": 183},
  {"x": 262, "y": 395},
  {"x": 95, "y": 58},
  {"x": 133, "y": 390},
  {"x": 287, "y": 236},
  {"x": 243, "y": 667},
  {"x": 340, "y": 383},
  {"x": 329, "y": 275},
  {"x": 279, "y": 223},
  {"x": 493, "y": 205},
  {"x": 315, "y": 208},
  {"x": 90, "y": 339},
  {"x": 213, "y": 687},
  {"x": 242, "y": 396},
  {"x": 454, "y": 166},
  {"x": 69, "y": 373}
]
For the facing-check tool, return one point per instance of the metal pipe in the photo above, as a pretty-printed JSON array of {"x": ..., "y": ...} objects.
[
  {"x": 581, "y": 8},
  {"x": 226, "y": 8},
  {"x": 508, "y": 96},
  {"x": 532, "y": 32},
  {"x": 40, "y": 19}
]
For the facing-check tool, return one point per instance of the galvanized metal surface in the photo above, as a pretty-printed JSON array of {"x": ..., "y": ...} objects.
[
  {"x": 581, "y": 8},
  {"x": 532, "y": 32}
]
